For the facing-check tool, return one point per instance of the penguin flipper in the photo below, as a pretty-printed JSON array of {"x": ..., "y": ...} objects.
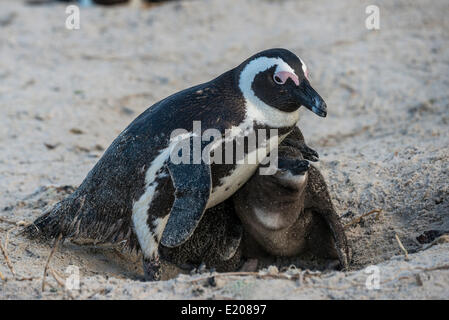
[
  {"x": 318, "y": 197},
  {"x": 193, "y": 185}
]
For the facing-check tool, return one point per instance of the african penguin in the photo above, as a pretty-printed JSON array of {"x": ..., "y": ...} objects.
[
  {"x": 137, "y": 192},
  {"x": 291, "y": 212},
  {"x": 287, "y": 214}
]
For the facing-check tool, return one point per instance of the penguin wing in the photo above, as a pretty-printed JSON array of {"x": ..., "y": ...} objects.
[
  {"x": 193, "y": 185},
  {"x": 318, "y": 197}
]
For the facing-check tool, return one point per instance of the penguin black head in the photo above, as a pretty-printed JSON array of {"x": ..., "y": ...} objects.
[{"x": 278, "y": 79}]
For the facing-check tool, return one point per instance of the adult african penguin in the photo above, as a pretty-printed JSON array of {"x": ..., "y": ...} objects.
[{"x": 137, "y": 193}]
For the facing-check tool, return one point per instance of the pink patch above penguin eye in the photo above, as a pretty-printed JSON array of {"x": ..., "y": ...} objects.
[{"x": 282, "y": 76}]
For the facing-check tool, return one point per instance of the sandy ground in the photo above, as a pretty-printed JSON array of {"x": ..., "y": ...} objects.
[{"x": 65, "y": 95}]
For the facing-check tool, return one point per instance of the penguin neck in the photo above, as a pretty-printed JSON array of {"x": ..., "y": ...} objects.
[{"x": 259, "y": 112}]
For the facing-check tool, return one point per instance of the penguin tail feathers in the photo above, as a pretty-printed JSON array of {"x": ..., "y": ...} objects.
[
  {"x": 74, "y": 218},
  {"x": 59, "y": 220}
]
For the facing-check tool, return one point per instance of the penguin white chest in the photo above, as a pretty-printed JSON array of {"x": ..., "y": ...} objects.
[
  {"x": 231, "y": 183},
  {"x": 242, "y": 172}
]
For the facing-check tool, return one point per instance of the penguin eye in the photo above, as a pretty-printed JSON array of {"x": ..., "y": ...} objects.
[
  {"x": 277, "y": 79},
  {"x": 281, "y": 77}
]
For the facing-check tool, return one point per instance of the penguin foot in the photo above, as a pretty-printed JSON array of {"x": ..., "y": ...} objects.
[
  {"x": 333, "y": 264},
  {"x": 152, "y": 269},
  {"x": 250, "y": 265}
]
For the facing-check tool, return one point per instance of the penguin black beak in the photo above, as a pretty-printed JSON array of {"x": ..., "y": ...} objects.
[{"x": 309, "y": 98}]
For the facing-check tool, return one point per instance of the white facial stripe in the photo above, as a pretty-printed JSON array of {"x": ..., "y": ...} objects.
[
  {"x": 304, "y": 69},
  {"x": 256, "y": 109}
]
